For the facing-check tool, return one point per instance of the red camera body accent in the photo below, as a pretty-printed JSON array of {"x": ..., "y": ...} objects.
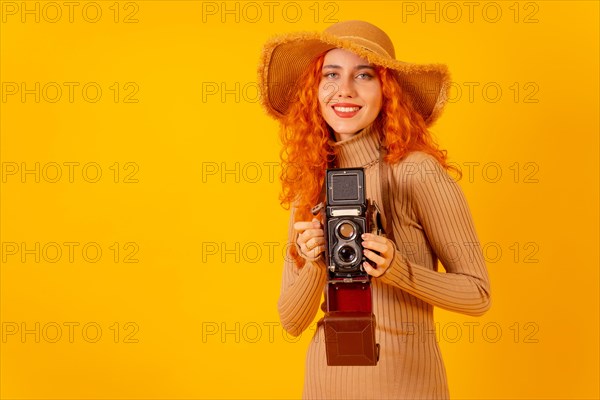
[{"x": 349, "y": 297}]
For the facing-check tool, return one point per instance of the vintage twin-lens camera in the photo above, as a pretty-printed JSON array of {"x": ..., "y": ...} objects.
[
  {"x": 346, "y": 219},
  {"x": 349, "y": 321}
]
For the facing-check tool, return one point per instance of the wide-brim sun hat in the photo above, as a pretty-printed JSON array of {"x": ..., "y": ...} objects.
[{"x": 285, "y": 57}]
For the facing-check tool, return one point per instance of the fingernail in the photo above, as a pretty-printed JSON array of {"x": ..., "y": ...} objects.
[{"x": 364, "y": 235}]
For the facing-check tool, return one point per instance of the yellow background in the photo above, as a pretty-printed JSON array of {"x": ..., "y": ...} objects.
[{"x": 192, "y": 291}]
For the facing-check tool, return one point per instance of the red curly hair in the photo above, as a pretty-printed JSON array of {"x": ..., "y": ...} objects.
[{"x": 307, "y": 139}]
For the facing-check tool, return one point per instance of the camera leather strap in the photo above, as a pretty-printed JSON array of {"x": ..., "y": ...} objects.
[{"x": 384, "y": 171}]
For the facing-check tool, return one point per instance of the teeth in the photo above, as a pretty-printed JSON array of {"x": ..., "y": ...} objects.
[{"x": 347, "y": 109}]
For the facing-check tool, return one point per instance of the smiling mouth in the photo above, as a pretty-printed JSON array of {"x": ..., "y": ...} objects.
[{"x": 345, "y": 111}]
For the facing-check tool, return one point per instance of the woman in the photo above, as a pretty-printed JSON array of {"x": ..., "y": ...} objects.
[{"x": 343, "y": 101}]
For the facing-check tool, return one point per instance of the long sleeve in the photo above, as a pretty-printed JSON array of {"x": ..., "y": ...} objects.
[
  {"x": 301, "y": 289},
  {"x": 441, "y": 211}
]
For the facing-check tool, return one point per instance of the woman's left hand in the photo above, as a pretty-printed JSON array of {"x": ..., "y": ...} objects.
[{"x": 380, "y": 251}]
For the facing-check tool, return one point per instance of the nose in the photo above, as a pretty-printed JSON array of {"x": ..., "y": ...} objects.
[{"x": 346, "y": 88}]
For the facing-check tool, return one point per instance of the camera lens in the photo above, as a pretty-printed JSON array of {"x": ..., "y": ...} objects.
[
  {"x": 346, "y": 230},
  {"x": 347, "y": 254}
]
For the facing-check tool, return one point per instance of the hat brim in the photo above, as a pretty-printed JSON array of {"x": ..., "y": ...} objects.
[{"x": 284, "y": 58}]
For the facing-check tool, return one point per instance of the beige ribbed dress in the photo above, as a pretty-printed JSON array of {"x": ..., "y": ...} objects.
[{"x": 431, "y": 221}]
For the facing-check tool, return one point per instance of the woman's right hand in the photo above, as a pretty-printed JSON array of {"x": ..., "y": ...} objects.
[{"x": 310, "y": 240}]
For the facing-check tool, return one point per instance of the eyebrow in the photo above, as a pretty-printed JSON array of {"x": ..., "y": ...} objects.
[{"x": 333, "y": 66}]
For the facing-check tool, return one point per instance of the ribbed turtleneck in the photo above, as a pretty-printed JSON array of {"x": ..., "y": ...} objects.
[{"x": 358, "y": 151}]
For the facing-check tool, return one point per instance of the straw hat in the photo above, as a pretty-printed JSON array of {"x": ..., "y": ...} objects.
[{"x": 285, "y": 57}]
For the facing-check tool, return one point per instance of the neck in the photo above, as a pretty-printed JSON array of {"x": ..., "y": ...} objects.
[
  {"x": 359, "y": 150},
  {"x": 339, "y": 137}
]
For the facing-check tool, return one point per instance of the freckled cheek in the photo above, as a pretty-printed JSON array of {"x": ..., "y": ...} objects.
[
  {"x": 323, "y": 96},
  {"x": 322, "y": 103},
  {"x": 377, "y": 102}
]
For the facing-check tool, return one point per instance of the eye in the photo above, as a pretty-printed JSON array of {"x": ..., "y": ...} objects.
[
  {"x": 330, "y": 75},
  {"x": 364, "y": 75}
]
